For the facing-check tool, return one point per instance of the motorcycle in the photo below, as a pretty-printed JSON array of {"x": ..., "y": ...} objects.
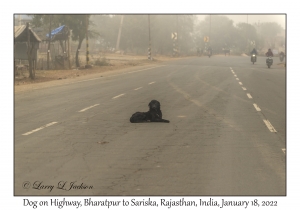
[
  {"x": 281, "y": 58},
  {"x": 269, "y": 61},
  {"x": 253, "y": 58},
  {"x": 209, "y": 54}
]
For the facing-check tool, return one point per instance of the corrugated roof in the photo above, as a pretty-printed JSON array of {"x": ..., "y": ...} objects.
[{"x": 21, "y": 36}]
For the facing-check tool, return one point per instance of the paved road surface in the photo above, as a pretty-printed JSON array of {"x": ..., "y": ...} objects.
[{"x": 226, "y": 134}]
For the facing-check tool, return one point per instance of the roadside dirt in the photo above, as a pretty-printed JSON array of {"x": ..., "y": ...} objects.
[{"x": 116, "y": 64}]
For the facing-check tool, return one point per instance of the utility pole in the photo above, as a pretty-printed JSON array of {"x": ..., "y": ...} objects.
[
  {"x": 87, "y": 40},
  {"x": 48, "y": 52},
  {"x": 119, "y": 35},
  {"x": 177, "y": 35},
  {"x": 149, "y": 48},
  {"x": 69, "y": 35},
  {"x": 209, "y": 27},
  {"x": 247, "y": 36}
]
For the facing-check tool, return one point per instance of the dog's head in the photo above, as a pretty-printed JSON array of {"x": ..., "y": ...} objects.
[{"x": 154, "y": 105}]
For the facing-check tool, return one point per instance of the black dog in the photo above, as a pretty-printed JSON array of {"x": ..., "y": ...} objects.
[{"x": 153, "y": 115}]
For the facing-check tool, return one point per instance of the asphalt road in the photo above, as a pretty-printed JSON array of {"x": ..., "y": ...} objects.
[{"x": 226, "y": 136}]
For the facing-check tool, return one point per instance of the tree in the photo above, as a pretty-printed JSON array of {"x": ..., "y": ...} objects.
[
  {"x": 76, "y": 23},
  {"x": 247, "y": 34},
  {"x": 269, "y": 31},
  {"x": 29, "y": 53}
]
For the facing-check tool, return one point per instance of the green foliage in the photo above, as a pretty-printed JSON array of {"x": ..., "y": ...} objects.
[{"x": 190, "y": 33}]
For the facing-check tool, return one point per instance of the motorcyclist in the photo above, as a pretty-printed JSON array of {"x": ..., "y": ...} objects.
[
  {"x": 253, "y": 52},
  {"x": 209, "y": 50},
  {"x": 269, "y": 53},
  {"x": 281, "y": 54}
]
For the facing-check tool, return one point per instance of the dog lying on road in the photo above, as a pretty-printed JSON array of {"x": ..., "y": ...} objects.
[{"x": 153, "y": 115}]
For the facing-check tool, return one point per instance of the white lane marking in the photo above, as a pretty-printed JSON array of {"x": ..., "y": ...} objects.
[
  {"x": 138, "y": 88},
  {"x": 240, "y": 83},
  {"x": 249, "y": 96},
  {"x": 181, "y": 116},
  {"x": 270, "y": 126},
  {"x": 118, "y": 96},
  {"x": 88, "y": 108},
  {"x": 283, "y": 150},
  {"x": 40, "y": 128},
  {"x": 235, "y": 75},
  {"x": 256, "y": 107},
  {"x": 244, "y": 88},
  {"x": 237, "y": 78},
  {"x": 151, "y": 83}
]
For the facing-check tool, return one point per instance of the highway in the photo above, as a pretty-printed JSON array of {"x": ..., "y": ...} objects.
[{"x": 226, "y": 136}]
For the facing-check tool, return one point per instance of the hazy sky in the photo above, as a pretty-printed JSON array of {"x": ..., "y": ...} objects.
[{"x": 280, "y": 19}]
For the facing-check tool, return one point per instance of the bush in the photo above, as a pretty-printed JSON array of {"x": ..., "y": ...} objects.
[{"x": 101, "y": 62}]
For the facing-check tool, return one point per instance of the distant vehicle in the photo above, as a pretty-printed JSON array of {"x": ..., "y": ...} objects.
[
  {"x": 253, "y": 58},
  {"x": 281, "y": 56},
  {"x": 269, "y": 61}
]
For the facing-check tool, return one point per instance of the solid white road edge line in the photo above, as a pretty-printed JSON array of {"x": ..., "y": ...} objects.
[
  {"x": 256, "y": 107},
  {"x": 118, "y": 96},
  {"x": 88, "y": 108},
  {"x": 40, "y": 128},
  {"x": 270, "y": 126}
]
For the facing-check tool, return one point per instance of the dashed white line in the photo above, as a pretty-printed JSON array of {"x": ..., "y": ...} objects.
[
  {"x": 118, "y": 96},
  {"x": 249, "y": 96},
  {"x": 138, "y": 88},
  {"x": 88, "y": 108},
  {"x": 244, "y": 88},
  {"x": 256, "y": 107},
  {"x": 151, "y": 83},
  {"x": 40, "y": 128},
  {"x": 235, "y": 75},
  {"x": 283, "y": 150},
  {"x": 270, "y": 126},
  {"x": 240, "y": 83},
  {"x": 237, "y": 78}
]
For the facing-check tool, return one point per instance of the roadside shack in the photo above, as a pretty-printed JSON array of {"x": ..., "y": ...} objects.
[
  {"x": 26, "y": 45},
  {"x": 60, "y": 36}
]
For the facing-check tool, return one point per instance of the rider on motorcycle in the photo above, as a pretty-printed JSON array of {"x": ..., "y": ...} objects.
[
  {"x": 254, "y": 52},
  {"x": 281, "y": 54},
  {"x": 209, "y": 50},
  {"x": 269, "y": 53}
]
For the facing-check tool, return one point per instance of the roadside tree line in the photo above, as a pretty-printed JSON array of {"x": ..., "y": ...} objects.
[{"x": 134, "y": 34}]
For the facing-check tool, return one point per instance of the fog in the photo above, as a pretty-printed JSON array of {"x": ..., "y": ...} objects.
[
  {"x": 280, "y": 19},
  {"x": 170, "y": 34}
]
